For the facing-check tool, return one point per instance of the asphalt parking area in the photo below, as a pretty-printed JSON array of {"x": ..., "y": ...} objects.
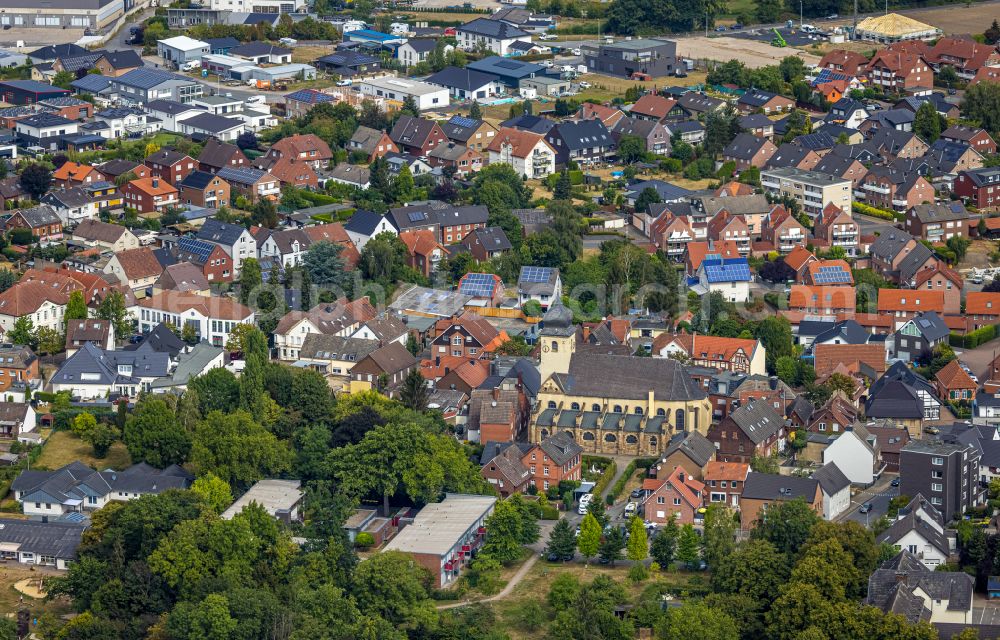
[{"x": 986, "y": 615}]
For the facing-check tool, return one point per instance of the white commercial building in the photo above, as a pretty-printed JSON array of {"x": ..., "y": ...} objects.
[{"x": 427, "y": 96}]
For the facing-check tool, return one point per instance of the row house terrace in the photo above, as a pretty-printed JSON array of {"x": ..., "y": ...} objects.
[
  {"x": 727, "y": 227},
  {"x": 838, "y": 228},
  {"x": 213, "y": 317}
]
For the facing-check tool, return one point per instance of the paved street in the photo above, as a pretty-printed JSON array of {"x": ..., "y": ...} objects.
[{"x": 878, "y": 495}]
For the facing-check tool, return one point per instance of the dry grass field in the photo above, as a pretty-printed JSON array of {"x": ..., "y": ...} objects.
[{"x": 63, "y": 447}]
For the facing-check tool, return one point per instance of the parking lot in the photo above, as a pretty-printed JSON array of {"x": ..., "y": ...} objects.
[{"x": 986, "y": 616}]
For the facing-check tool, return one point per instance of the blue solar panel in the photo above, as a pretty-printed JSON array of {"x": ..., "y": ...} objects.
[
  {"x": 730, "y": 270},
  {"x": 460, "y": 121},
  {"x": 477, "y": 284},
  {"x": 536, "y": 274},
  {"x": 195, "y": 247},
  {"x": 832, "y": 274}
]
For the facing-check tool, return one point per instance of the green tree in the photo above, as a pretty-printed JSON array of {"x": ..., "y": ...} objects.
[
  {"x": 414, "y": 393},
  {"x": 631, "y": 149},
  {"x": 403, "y": 186},
  {"x": 612, "y": 546},
  {"x": 562, "y": 542},
  {"x": 207, "y": 619},
  {"x": 637, "y": 548},
  {"x": 84, "y": 424},
  {"x": 786, "y": 525},
  {"x": 23, "y": 332},
  {"x": 719, "y": 535},
  {"x": 252, "y": 378},
  {"x": 324, "y": 264},
  {"x": 775, "y": 335},
  {"x": 564, "y": 591},
  {"x": 213, "y": 491},
  {"x": 237, "y": 449},
  {"x": 564, "y": 188},
  {"x": 504, "y": 542},
  {"x": 596, "y": 509},
  {"x": 696, "y": 621},
  {"x": 112, "y": 308},
  {"x": 647, "y": 197},
  {"x": 982, "y": 105},
  {"x": 589, "y": 540},
  {"x": 475, "y": 112},
  {"x": 926, "y": 123},
  {"x": 383, "y": 258},
  {"x": 392, "y": 586},
  {"x": 251, "y": 279},
  {"x": 36, "y": 179},
  {"x": 756, "y": 569},
  {"x": 664, "y": 547},
  {"x": 216, "y": 390},
  {"x": 687, "y": 546},
  {"x": 76, "y": 307},
  {"x": 153, "y": 434}
]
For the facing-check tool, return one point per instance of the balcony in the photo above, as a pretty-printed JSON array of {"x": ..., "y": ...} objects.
[
  {"x": 875, "y": 188},
  {"x": 899, "y": 203},
  {"x": 268, "y": 190},
  {"x": 845, "y": 233},
  {"x": 769, "y": 184}
]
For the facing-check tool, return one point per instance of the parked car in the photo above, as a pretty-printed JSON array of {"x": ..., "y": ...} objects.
[
  {"x": 548, "y": 36},
  {"x": 895, "y": 482},
  {"x": 584, "y": 85},
  {"x": 636, "y": 493},
  {"x": 720, "y": 28},
  {"x": 630, "y": 510},
  {"x": 555, "y": 557},
  {"x": 346, "y": 82},
  {"x": 736, "y": 27},
  {"x": 584, "y": 502},
  {"x": 680, "y": 73},
  {"x": 577, "y": 52},
  {"x": 865, "y": 508}
]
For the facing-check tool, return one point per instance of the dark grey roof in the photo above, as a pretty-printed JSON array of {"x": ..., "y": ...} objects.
[
  {"x": 532, "y": 123},
  {"x": 928, "y": 213},
  {"x": 145, "y": 78},
  {"x": 694, "y": 445},
  {"x": 744, "y": 147},
  {"x": 699, "y": 102},
  {"x": 912, "y": 522},
  {"x": 363, "y": 222},
  {"x": 411, "y": 131},
  {"x": 891, "y": 587},
  {"x": 834, "y": 164},
  {"x": 124, "y": 59},
  {"x": 931, "y": 326},
  {"x": 758, "y": 420},
  {"x": 889, "y": 244},
  {"x": 815, "y": 141},
  {"x": 894, "y": 399},
  {"x": 831, "y": 479},
  {"x": 493, "y": 29},
  {"x": 583, "y": 134},
  {"x": 814, "y": 327},
  {"x": 161, "y": 340},
  {"x": 685, "y": 126},
  {"x": 757, "y": 97},
  {"x": 224, "y": 233},
  {"x": 169, "y": 106},
  {"x": 787, "y": 155},
  {"x": 197, "y": 180},
  {"x": 253, "y": 49},
  {"x": 847, "y": 332},
  {"x": 628, "y": 378},
  {"x": 766, "y": 486},
  {"x": 212, "y": 123},
  {"x": 460, "y": 128},
  {"x": 491, "y": 238},
  {"x": 57, "y": 539},
  {"x": 45, "y": 119},
  {"x": 755, "y": 121},
  {"x": 466, "y": 79},
  {"x": 561, "y": 448},
  {"x": 55, "y": 51},
  {"x": 222, "y": 43},
  {"x": 41, "y": 215},
  {"x": 422, "y": 45},
  {"x": 437, "y": 213},
  {"x": 318, "y": 346},
  {"x": 91, "y": 83},
  {"x": 667, "y": 192},
  {"x": 914, "y": 261}
]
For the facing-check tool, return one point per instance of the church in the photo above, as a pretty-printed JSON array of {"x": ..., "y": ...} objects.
[{"x": 612, "y": 404}]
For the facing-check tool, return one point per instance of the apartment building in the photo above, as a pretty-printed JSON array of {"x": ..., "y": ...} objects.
[{"x": 812, "y": 190}]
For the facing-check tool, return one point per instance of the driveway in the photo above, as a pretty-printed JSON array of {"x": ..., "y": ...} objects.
[
  {"x": 878, "y": 495},
  {"x": 978, "y": 360}
]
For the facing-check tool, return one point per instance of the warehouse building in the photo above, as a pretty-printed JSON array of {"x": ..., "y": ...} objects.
[{"x": 60, "y": 14}]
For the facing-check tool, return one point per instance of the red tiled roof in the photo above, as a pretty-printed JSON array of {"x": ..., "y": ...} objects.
[
  {"x": 982, "y": 303},
  {"x": 891, "y": 300},
  {"x": 829, "y": 356},
  {"x": 952, "y": 376},
  {"x": 805, "y": 296}
]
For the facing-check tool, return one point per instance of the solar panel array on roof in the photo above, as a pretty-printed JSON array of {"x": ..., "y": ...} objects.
[
  {"x": 827, "y": 75},
  {"x": 460, "y": 121},
  {"x": 477, "y": 284},
  {"x": 196, "y": 248},
  {"x": 732, "y": 270},
  {"x": 241, "y": 175},
  {"x": 535, "y": 274},
  {"x": 417, "y": 216},
  {"x": 835, "y": 274},
  {"x": 145, "y": 78}
]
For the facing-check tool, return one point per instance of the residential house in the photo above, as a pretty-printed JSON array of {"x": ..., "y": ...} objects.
[
  {"x": 170, "y": 165},
  {"x": 856, "y": 454},
  {"x": 18, "y": 363},
  {"x": 340, "y": 318},
  {"x": 485, "y": 243},
  {"x": 150, "y": 194},
  {"x": 238, "y": 243},
  {"x": 905, "y": 397},
  {"x": 372, "y": 142},
  {"x": 136, "y": 268},
  {"x": 903, "y": 304},
  {"x": 656, "y": 108},
  {"x": 92, "y": 373},
  {"x": 502, "y": 468},
  {"x": 45, "y": 130},
  {"x": 792, "y": 155},
  {"x": 183, "y": 277},
  {"x": 677, "y": 496},
  {"x": 982, "y": 308},
  {"x": 725, "y": 226},
  {"x": 687, "y": 450},
  {"x": 655, "y": 136},
  {"x": 383, "y": 369},
  {"x": 836, "y": 490},
  {"x": 781, "y": 232},
  {"x": 492, "y": 35},
  {"x": 466, "y": 336},
  {"x": 143, "y": 86},
  {"x": 728, "y": 276},
  {"x": 415, "y": 50},
  {"x": 941, "y": 277},
  {"x": 836, "y": 415},
  {"x": 954, "y": 384},
  {"x": 724, "y": 482},
  {"x": 286, "y": 247},
  {"x": 216, "y": 155},
  {"x": 306, "y": 148},
  {"x": 748, "y": 150},
  {"x": 904, "y": 584},
  {"x": 637, "y": 58},
  {"x": 897, "y": 256},
  {"x": 347, "y": 63},
  {"x": 539, "y": 284},
  {"x": 212, "y": 317},
  {"x": 44, "y": 223},
  {"x": 899, "y": 71},
  {"x": 920, "y": 530},
  {"x": 758, "y": 100},
  {"x": 822, "y": 299},
  {"x": 947, "y": 473},
  {"x": 72, "y": 174},
  {"x": 763, "y": 489},
  {"x": 974, "y": 137},
  {"x": 919, "y": 336},
  {"x": 251, "y": 183},
  {"x": 583, "y": 142},
  {"x": 891, "y": 440},
  {"x": 467, "y": 84},
  {"x": 937, "y": 223},
  {"x": 469, "y": 132},
  {"x": 204, "y": 189},
  {"x": 754, "y": 429},
  {"x": 211, "y": 259},
  {"x": 424, "y": 252},
  {"x": 364, "y": 225},
  {"x": 113, "y": 237},
  {"x": 416, "y": 135},
  {"x": 720, "y": 353},
  {"x": 528, "y": 153}
]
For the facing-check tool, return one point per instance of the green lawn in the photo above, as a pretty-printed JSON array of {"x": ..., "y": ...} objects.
[
  {"x": 63, "y": 447},
  {"x": 736, "y": 7}
]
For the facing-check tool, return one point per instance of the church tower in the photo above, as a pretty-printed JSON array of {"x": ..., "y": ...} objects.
[{"x": 557, "y": 339}]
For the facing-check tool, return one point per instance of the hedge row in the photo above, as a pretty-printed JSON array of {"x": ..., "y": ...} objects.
[
  {"x": 973, "y": 339},
  {"x": 875, "y": 212},
  {"x": 606, "y": 475}
]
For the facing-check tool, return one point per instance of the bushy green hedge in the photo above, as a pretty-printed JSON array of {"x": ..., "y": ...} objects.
[
  {"x": 875, "y": 212},
  {"x": 549, "y": 512},
  {"x": 605, "y": 479},
  {"x": 973, "y": 339}
]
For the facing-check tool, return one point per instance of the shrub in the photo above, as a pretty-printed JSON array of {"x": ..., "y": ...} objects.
[
  {"x": 364, "y": 540},
  {"x": 638, "y": 572},
  {"x": 875, "y": 212},
  {"x": 975, "y": 338},
  {"x": 549, "y": 512}
]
